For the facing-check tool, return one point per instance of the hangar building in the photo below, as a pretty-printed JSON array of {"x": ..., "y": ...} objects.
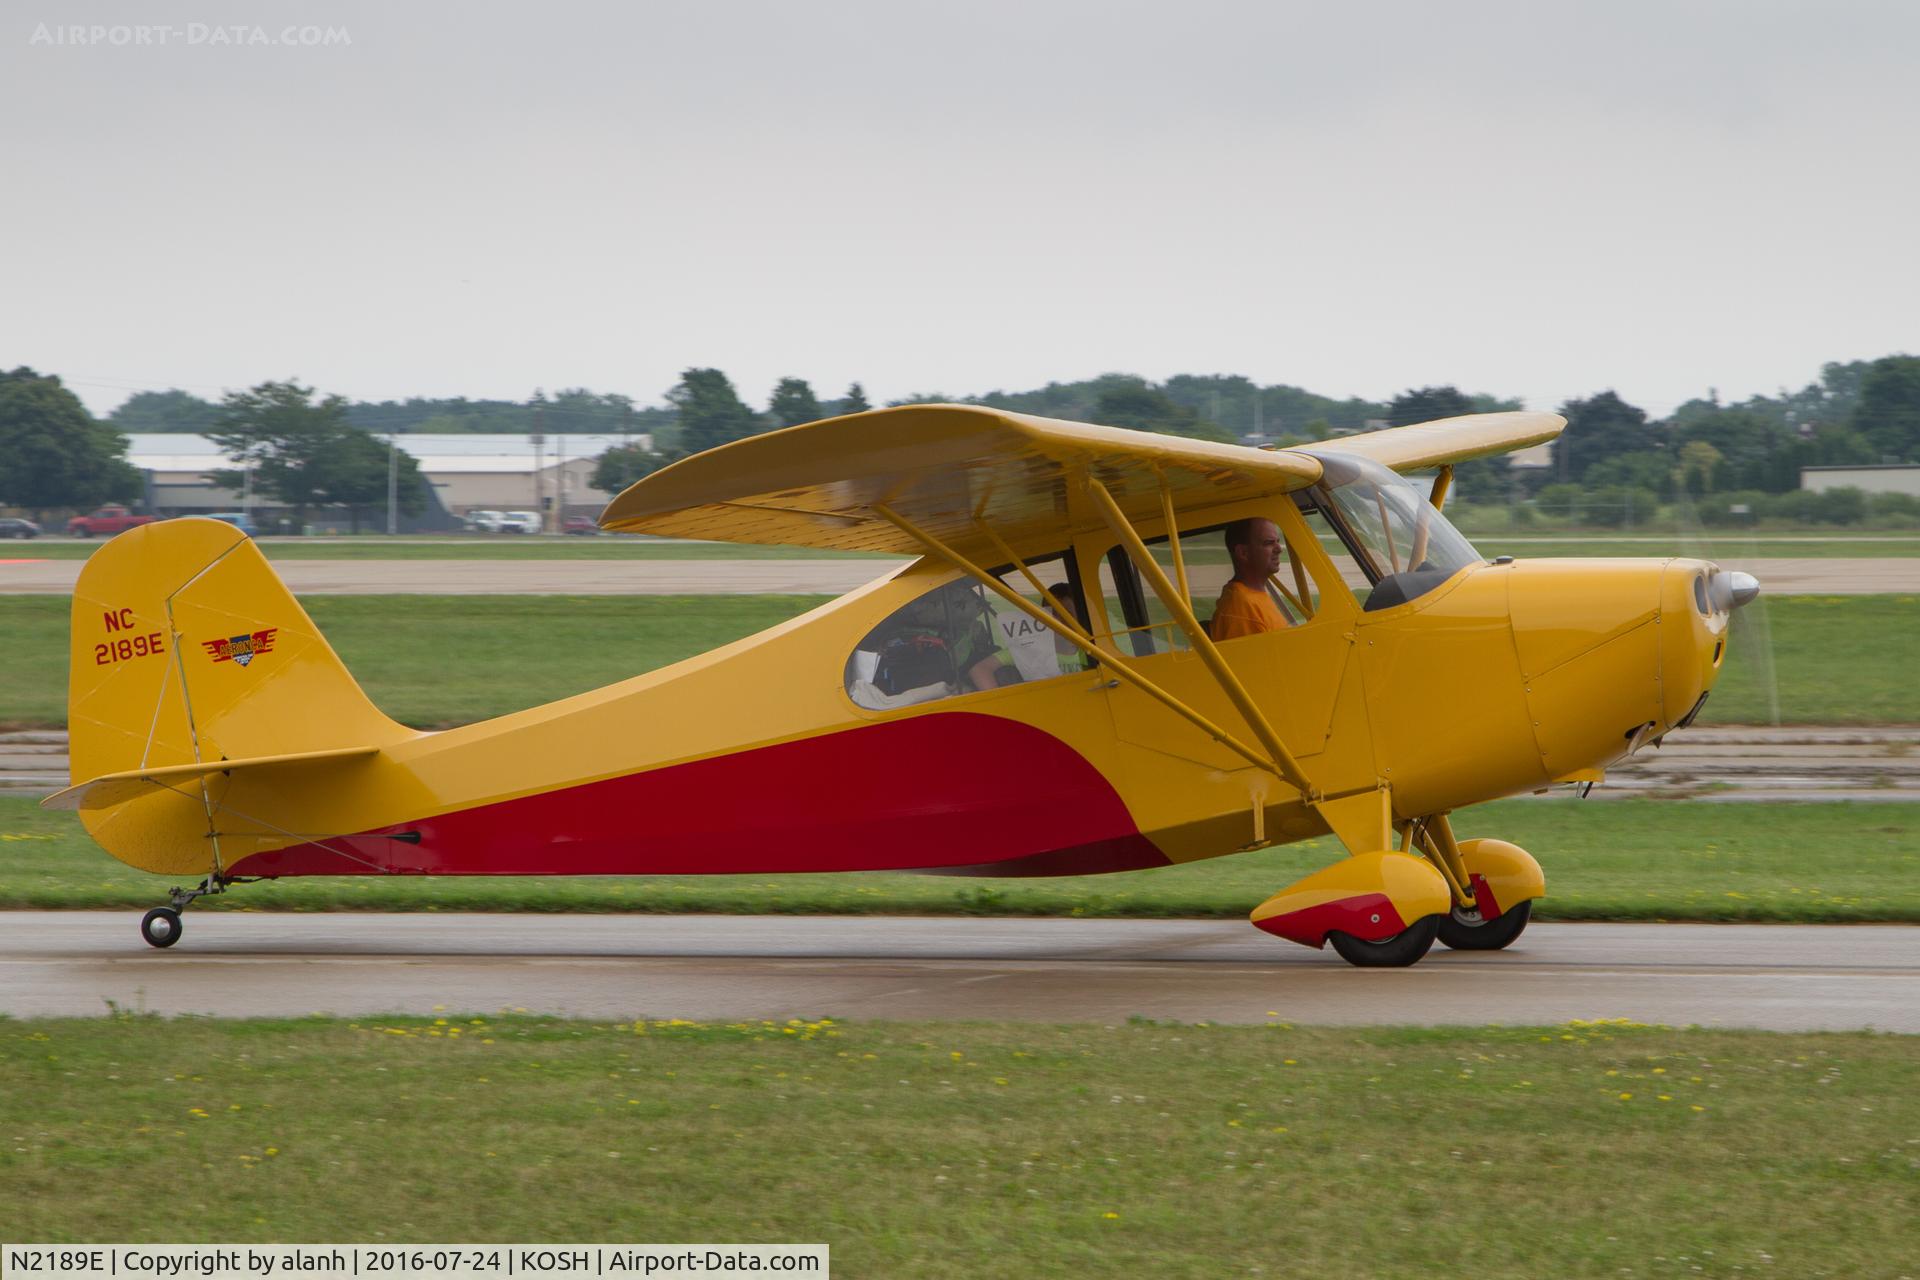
[{"x": 498, "y": 472}]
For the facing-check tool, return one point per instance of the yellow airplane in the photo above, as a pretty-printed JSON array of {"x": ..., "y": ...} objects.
[{"x": 1037, "y": 694}]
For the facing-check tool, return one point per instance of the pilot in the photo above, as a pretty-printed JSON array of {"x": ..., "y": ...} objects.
[{"x": 1245, "y": 608}]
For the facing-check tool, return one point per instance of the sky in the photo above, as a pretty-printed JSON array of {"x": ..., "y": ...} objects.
[{"x": 1533, "y": 199}]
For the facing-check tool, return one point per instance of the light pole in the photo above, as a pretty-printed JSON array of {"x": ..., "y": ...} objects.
[{"x": 539, "y": 460}]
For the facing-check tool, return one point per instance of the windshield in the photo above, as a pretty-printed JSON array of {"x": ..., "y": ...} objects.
[{"x": 1405, "y": 545}]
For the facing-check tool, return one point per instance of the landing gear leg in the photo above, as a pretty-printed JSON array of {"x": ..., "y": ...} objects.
[
  {"x": 1501, "y": 881},
  {"x": 161, "y": 926}
]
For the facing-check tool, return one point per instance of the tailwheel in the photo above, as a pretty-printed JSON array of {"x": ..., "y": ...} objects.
[
  {"x": 1467, "y": 930},
  {"x": 1396, "y": 952},
  {"x": 161, "y": 927}
]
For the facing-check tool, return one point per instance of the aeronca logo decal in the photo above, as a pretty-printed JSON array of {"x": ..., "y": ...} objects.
[{"x": 241, "y": 649}]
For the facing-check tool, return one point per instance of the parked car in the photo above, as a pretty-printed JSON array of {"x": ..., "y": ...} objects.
[
  {"x": 522, "y": 522},
  {"x": 581, "y": 525},
  {"x": 12, "y": 528},
  {"x": 485, "y": 521},
  {"x": 238, "y": 519},
  {"x": 105, "y": 522}
]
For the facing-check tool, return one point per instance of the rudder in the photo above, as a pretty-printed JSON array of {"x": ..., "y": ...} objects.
[{"x": 187, "y": 647}]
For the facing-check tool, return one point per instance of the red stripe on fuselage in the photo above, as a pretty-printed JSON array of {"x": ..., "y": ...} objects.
[{"x": 951, "y": 789}]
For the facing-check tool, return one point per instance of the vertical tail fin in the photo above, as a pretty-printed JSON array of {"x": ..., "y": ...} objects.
[{"x": 187, "y": 648}]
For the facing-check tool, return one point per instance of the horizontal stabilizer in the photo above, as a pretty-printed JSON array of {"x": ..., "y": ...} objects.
[{"x": 110, "y": 789}]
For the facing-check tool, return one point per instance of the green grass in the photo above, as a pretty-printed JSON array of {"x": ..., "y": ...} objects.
[
  {"x": 1612, "y": 860},
  {"x": 1839, "y": 547},
  {"x": 434, "y": 661},
  {"x": 938, "y": 1150},
  {"x": 1823, "y": 660}
]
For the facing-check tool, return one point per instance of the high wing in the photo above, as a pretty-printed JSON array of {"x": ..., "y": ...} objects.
[
  {"x": 950, "y": 469},
  {"x": 946, "y": 468},
  {"x": 1445, "y": 441}
]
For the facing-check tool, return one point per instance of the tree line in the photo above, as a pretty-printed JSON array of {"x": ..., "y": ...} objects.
[
  {"x": 291, "y": 445},
  {"x": 1858, "y": 412},
  {"x": 309, "y": 450}
]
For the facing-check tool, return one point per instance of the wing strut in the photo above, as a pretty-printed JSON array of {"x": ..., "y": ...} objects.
[
  {"x": 1423, "y": 523},
  {"x": 1284, "y": 764},
  {"x": 1064, "y": 625},
  {"x": 1173, "y": 539}
]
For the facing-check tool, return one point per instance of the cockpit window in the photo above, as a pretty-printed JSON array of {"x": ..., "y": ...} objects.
[
  {"x": 961, "y": 638},
  {"x": 1405, "y": 545}
]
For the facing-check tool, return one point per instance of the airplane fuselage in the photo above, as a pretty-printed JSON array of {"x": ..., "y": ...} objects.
[{"x": 1505, "y": 679}]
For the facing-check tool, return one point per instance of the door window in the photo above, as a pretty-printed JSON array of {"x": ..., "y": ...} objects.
[
  {"x": 1136, "y": 612},
  {"x": 960, "y": 638}
]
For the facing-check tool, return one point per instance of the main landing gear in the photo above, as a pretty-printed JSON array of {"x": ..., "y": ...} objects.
[
  {"x": 1396, "y": 952},
  {"x": 161, "y": 926},
  {"x": 1386, "y": 909}
]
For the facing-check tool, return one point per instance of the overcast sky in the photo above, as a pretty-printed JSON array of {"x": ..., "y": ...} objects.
[{"x": 1532, "y": 198}]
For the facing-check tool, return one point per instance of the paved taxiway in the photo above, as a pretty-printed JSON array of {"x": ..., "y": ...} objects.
[
  {"x": 1782, "y": 977},
  {"x": 1778, "y": 576}
]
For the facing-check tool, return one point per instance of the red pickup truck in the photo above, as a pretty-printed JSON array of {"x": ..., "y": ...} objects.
[{"x": 105, "y": 522}]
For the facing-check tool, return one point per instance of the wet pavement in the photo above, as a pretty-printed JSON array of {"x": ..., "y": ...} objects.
[{"x": 1779, "y": 977}]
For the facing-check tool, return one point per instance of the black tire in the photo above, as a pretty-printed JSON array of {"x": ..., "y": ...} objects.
[
  {"x": 161, "y": 927},
  {"x": 1466, "y": 931},
  {"x": 1397, "y": 952}
]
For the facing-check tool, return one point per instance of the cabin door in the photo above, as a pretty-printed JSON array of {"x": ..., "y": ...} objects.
[{"x": 1295, "y": 674}]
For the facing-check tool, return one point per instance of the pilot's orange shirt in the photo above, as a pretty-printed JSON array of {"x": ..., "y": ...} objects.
[{"x": 1242, "y": 611}]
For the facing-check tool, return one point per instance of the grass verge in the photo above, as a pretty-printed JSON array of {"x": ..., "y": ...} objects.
[
  {"x": 969, "y": 1150},
  {"x": 434, "y": 661},
  {"x": 1617, "y": 860}
]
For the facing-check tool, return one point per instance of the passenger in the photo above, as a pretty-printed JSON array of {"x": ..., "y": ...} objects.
[
  {"x": 944, "y": 635},
  {"x": 1245, "y": 608},
  {"x": 977, "y": 657}
]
